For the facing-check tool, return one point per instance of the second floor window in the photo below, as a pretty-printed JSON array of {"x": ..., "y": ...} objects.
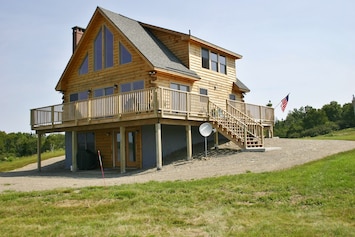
[
  {"x": 83, "y": 95},
  {"x": 125, "y": 56},
  {"x": 108, "y": 48},
  {"x": 103, "y": 49},
  {"x": 98, "y": 52},
  {"x": 205, "y": 54},
  {"x": 213, "y": 61},
  {"x": 132, "y": 86},
  {"x": 103, "y": 91},
  {"x": 84, "y": 68}
]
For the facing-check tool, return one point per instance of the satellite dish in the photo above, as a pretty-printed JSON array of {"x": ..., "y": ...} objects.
[{"x": 205, "y": 129}]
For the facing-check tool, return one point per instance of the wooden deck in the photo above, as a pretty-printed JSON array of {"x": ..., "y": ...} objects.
[{"x": 141, "y": 105}]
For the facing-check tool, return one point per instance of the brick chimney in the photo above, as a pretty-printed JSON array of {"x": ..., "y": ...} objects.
[{"x": 77, "y": 34}]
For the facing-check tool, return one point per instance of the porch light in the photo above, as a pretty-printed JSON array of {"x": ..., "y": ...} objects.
[
  {"x": 152, "y": 73},
  {"x": 115, "y": 86},
  {"x": 89, "y": 91}
]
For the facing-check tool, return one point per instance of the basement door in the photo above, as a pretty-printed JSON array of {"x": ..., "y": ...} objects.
[{"x": 132, "y": 149}]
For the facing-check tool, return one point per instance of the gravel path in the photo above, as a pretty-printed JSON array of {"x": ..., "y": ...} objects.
[{"x": 280, "y": 154}]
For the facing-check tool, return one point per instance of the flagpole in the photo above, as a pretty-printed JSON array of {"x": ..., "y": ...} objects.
[{"x": 281, "y": 101}]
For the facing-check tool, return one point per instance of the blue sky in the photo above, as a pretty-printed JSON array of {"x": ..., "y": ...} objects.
[{"x": 304, "y": 47}]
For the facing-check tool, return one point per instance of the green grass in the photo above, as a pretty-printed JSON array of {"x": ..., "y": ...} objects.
[
  {"x": 346, "y": 135},
  {"x": 23, "y": 161},
  {"x": 316, "y": 199}
]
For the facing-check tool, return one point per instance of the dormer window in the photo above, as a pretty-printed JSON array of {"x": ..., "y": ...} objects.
[
  {"x": 205, "y": 58},
  {"x": 214, "y": 61}
]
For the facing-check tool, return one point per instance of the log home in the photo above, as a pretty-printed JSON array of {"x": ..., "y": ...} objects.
[{"x": 138, "y": 92}]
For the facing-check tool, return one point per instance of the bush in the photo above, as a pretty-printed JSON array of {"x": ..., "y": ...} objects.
[{"x": 320, "y": 130}]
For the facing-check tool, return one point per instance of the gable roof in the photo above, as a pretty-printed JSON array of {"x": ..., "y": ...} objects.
[
  {"x": 150, "y": 47},
  {"x": 195, "y": 39}
]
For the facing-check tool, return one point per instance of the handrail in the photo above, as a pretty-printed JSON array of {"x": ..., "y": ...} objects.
[
  {"x": 263, "y": 114},
  {"x": 233, "y": 125},
  {"x": 151, "y": 100},
  {"x": 254, "y": 127}
]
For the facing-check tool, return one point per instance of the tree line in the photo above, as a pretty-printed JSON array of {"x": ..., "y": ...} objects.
[
  {"x": 309, "y": 122},
  {"x": 25, "y": 144}
]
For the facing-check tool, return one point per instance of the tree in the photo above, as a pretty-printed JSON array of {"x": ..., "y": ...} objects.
[
  {"x": 314, "y": 118},
  {"x": 53, "y": 142},
  {"x": 333, "y": 111},
  {"x": 348, "y": 118}
]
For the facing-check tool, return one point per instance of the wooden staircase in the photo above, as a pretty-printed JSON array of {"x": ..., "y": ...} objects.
[{"x": 237, "y": 127}]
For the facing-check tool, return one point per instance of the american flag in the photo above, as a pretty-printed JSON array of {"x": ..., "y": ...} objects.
[{"x": 284, "y": 102}]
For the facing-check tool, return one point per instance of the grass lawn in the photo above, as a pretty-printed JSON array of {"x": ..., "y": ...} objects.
[
  {"x": 315, "y": 199},
  {"x": 23, "y": 161},
  {"x": 346, "y": 134}
]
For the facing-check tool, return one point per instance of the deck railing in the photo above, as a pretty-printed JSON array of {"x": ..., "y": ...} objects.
[
  {"x": 262, "y": 114},
  {"x": 150, "y": 101},
  {"x": 153, "y": 102}
]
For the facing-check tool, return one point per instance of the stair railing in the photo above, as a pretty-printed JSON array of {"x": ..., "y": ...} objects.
[
  {"x": 236, "y": 128},
  {"x": 255, "y": 128}
]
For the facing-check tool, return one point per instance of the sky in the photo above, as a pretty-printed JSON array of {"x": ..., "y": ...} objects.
[{"x": 304, "y": 47}]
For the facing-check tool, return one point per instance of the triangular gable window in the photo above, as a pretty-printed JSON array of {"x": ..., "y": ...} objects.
[
  {"x": 125, "y": 56},
  {"x": 84, "y": 68}
]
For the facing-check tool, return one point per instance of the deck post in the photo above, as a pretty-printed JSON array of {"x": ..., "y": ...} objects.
[
  {"x": 158, "y": 147},
  {"x": 74, "y": 148},
  {"x": 216, "y": 141},
  {"x": 188, "y": 142},
  {"x": 39, "y": 159},
  {"x": 123, "y": 150}
]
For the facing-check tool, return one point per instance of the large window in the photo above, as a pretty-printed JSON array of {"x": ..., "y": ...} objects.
[
  {"x": 98, "y": 51},
  {"x": 125, "y": 56},
  {"x": 213, "y": 61},
  {"x": 108, "y": 48},
  {"x": 84, "y": 68},
  {"x": 103, "y": 49}
]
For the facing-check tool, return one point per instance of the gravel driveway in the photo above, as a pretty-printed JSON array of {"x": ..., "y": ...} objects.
[{"x": 279, "y": 154}]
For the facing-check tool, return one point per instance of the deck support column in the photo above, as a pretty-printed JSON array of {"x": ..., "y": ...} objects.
[
  {"x": 74, "y": 151},
  {"x": 123, "y": 149},
  {"x": 158, "y": 147},
  {"x": 39, "y": 158},
  {"x": 216, "y": 141},
  {"x": 188, "y": 142}
]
